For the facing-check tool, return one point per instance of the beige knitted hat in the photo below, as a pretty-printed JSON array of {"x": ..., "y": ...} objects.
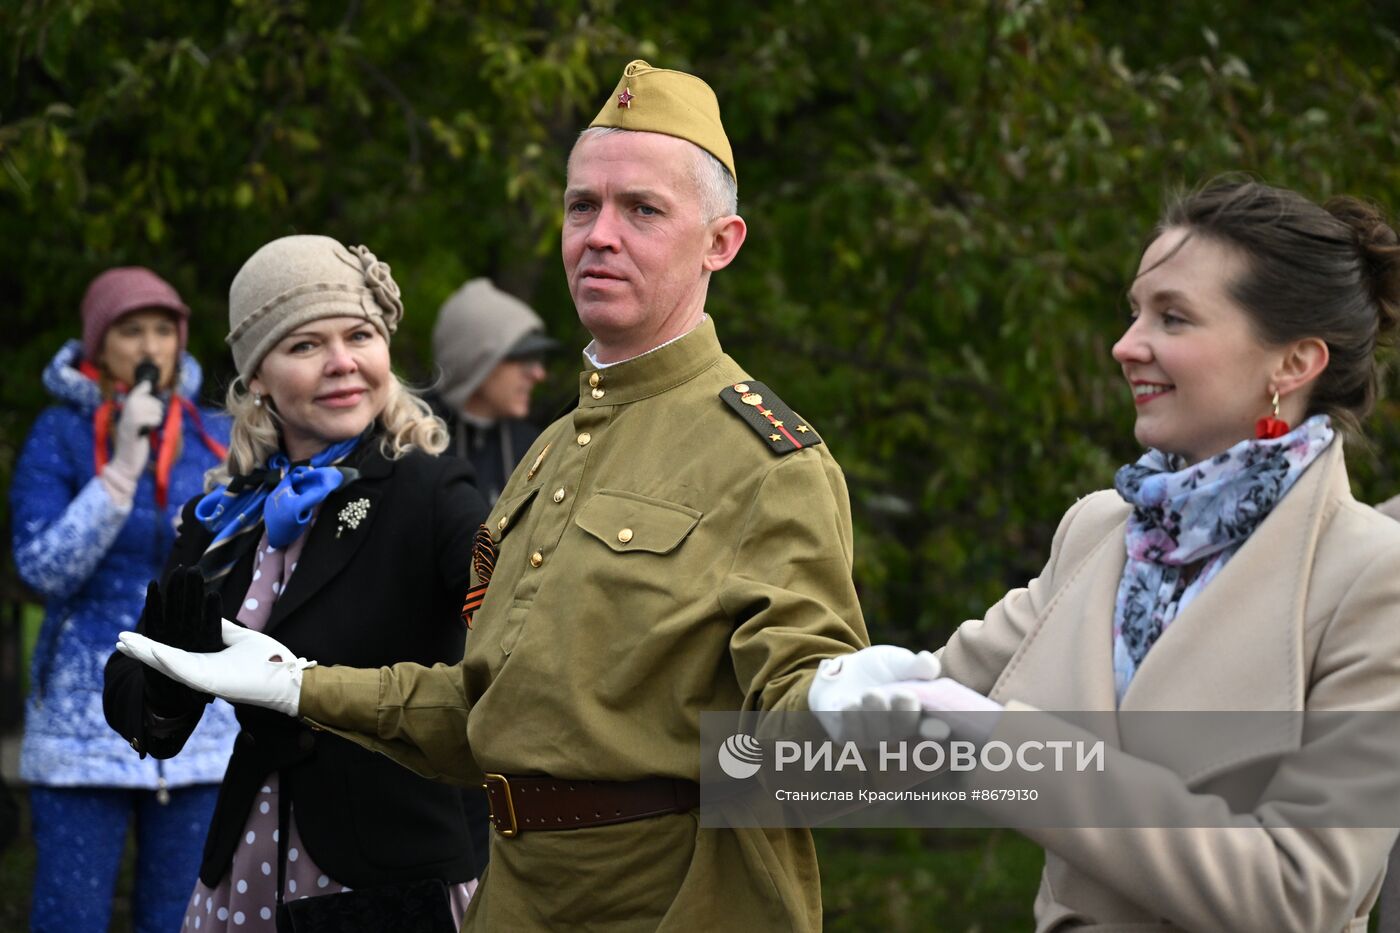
[{"x": 299, "y": 279}]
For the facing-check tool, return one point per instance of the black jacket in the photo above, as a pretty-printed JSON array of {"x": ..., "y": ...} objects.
[
  {"x": 388, "y": 590},
  {"x": 493, "y": 451}
]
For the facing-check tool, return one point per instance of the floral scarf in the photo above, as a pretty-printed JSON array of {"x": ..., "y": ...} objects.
[{"x": 1194, "y": 517}]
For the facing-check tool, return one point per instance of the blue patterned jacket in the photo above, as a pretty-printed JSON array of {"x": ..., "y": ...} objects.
[{"x": 91, "y": 559}]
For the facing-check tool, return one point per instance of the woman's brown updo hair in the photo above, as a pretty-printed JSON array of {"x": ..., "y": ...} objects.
[{"x": 1331, "y": 272}]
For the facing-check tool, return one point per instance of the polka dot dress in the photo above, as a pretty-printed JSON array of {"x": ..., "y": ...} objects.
[{"x": 246, "y": 899}]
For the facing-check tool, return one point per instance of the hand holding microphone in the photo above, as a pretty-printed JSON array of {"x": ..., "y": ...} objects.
[{"x": 142, "y": 412}]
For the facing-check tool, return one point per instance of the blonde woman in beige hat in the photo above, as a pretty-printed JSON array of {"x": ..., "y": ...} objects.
[{"x": 333, "y": 524}]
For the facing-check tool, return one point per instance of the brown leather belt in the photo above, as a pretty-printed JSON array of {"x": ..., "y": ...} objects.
[{"x": 520, "y": 804}]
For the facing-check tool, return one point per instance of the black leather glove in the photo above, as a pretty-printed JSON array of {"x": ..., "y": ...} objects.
[{"x": 181, "y": 615}]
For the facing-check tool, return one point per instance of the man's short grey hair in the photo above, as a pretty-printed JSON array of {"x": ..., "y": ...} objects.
[{"x": 719, "y": 192}]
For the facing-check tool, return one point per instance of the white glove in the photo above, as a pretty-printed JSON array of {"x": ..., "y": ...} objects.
[
  {"x": 142, "y": 410},
  {"x": 960, "y": 710},
  {"x": 255, "y": 668},
  {"x": 865, "y": 698}
]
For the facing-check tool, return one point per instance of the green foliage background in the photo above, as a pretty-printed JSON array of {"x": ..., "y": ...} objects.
[{"x": 945, "y": 202}]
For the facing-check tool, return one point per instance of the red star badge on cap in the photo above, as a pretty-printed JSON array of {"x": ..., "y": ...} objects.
[{"x": 624, "y": 100}]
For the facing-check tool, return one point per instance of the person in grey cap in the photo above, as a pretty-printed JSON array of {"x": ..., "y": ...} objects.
[{"x": 489, "y": 347}]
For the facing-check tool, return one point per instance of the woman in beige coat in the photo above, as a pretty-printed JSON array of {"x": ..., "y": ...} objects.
[{"x": 1230, "y": 569}]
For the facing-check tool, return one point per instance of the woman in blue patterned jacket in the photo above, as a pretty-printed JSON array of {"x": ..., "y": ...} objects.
[{"x": 94, "y": 498}]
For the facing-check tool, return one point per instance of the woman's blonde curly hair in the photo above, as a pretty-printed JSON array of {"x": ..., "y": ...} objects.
[{"x": 405, "y": 423}]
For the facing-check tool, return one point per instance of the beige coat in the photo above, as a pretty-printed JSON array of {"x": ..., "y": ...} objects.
[
  {"x": 657, "y": 559},
  {"x": 1305, "y": 616},
  {"x": 1390, "y": 894}
]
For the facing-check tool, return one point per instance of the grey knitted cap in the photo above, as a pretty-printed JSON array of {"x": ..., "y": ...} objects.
[
  {"x": 299, "y": 279},
  {"x": 476, "y": 328}
]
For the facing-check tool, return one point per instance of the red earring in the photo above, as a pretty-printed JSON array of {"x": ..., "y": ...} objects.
[{"x": 1270, "y": 426}]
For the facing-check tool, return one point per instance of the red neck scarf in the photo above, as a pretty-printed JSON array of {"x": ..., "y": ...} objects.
[{"x": 165, "y": 440}]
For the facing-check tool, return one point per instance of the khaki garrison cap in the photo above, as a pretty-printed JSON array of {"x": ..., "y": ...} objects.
[{"x": 654, "y": 100}]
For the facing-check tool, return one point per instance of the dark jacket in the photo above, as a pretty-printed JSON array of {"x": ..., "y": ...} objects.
[
  {"x": 493, "y": 450},
  {"x": 388, "y": 590}
]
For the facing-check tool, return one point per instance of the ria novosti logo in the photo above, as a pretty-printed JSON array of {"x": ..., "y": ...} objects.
[{"x": 740, "y": 756}]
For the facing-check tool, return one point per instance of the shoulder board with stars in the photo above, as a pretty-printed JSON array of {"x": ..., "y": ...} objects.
[{"x": 762, "y": 410}]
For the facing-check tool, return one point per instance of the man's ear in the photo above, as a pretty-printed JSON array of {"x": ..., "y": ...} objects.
[{"x": 726, "y": 235}]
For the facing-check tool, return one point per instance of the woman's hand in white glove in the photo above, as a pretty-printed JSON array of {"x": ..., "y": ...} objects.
[
  {"x": 964, "y": 711},
  {"x": 866, "y": 697},
  {"x": 255, "y": 668}
]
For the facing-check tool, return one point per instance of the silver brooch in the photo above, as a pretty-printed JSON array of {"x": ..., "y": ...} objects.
[{"x": 351, "y": 516}]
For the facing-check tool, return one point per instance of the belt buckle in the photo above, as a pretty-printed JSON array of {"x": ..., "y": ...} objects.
[{"x": 513, "y": 829}]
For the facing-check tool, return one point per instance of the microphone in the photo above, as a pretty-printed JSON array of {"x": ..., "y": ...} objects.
[{"x": 147, "y": 371}]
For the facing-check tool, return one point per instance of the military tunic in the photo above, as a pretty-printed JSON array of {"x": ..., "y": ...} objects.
[{"x": 657, "y": 558}]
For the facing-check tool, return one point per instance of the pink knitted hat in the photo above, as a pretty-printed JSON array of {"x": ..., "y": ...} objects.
[{"x": 123, "y": 290}]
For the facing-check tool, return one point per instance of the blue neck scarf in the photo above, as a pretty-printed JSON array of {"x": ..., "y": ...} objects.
[{"x": 282, "y": 496}]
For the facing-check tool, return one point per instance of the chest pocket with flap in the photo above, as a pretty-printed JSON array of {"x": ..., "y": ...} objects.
[
  {"x": 509, "y": 513},
  {"x": 632, "y": 523}
]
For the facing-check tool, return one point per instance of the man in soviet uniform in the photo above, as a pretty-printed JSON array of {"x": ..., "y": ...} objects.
[{"x": 680, "y": 542}]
